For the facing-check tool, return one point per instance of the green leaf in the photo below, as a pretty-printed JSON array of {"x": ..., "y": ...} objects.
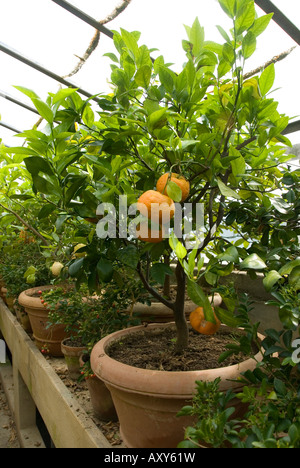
[
  {"x": 227, "y": 317},
  {"x": 42, "y": 185},
  {"x": 157, "y": 119},
  {"x": 46, "y": 210},
  {"x": 249, "y": 45},
  {"x": 28, "y": 92},
  {"x": 230, "y": 255},
  {"x": 226, "y": 191},
  {"x": 35, "y": 164},
  {"x": 159, "y": 271},
  {"x": 198, "y": 296},
  {"x": 174, "y": 191},
  {"x": 88, "y": 117},
  {"x": 280, "y": 387},
  {"x": 253, "y": 262},
  {"x": 228, "y": 6},
  {"x": 180, "y": 251},
  {"x": 105, "y": 270},
  {"x": 143, "y": 76},
  {"x": 267, "y": 79},
  {"x": 196, "y": 37},
  {"x": 260, "y": 24},
  {"x": 271, "y": 279},
  {"x": 288, "y": 268},
  {"x": 76, "y": 266},
  {"x": 63, "y": 94},
  {"x": 245, "y": 18},
  {"x": 43, "y": 109},
  {"x": 129, "y": 256}
]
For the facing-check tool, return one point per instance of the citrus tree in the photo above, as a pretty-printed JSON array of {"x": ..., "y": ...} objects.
[
  {"x": 172, "y": 140},
  {"x": 206, "y": 124}
]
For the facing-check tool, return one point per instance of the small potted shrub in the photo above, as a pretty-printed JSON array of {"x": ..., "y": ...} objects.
[
  {"x": 22, "y": 266},
  {"x": 86, "y": 318}
]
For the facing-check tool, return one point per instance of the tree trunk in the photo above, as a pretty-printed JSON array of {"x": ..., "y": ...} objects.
[{"x": 179, "y": 314}]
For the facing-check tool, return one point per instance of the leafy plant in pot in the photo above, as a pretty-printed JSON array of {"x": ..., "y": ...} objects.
[
  {"x": 23, "y": 265},
  {"x": 86, "y": 318}
]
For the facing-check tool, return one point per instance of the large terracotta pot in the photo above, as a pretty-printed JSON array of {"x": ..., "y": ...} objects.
[
  {"x": 45, "y": 337},
  {"x": 148, "y": 401}
]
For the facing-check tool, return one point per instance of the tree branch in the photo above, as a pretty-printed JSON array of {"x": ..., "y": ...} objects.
[
  {"x": 31, "y": 228},
  {"x": 153, "y": 291},
  {"x": 96, "y": 38},
  {"x": 275, "y": 59}
]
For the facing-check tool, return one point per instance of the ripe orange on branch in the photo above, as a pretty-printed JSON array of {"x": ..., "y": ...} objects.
[
  {"x": 156, "y": 206},
  {"x": 177, "y": 179},
  {"x": 201, "y": 325}
]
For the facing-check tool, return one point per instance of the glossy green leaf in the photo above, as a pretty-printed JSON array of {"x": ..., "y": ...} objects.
[
  {"x": 249, "y": 45},
  {"x": 245, "y": 18},
  {"x": 228, "y": 6},
  {"x": 272, "y": 278},
  {"x": 174, "y": 191},
  {"x": 36, "y": 164},
  {"x": 260, "y": 24},
  {"x": 253, "y": 262},
  {"x": 267, "y": 79},
  {"x": 288, "y": 268},
  {"x": 230, "y": 255},
  {"x": 105, "y": 270},
  {"x": 197, "y": 295},
  {"x": 143, "y": 76},
  {"x": 159, "y": 271},
  {"x": 129, "y": 256},
  {"x": 226, "y": 191},
  {"x": 43, "y": 109},
  {"x": 76, "y": 266}
]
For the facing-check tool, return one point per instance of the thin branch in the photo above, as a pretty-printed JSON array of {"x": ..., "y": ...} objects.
[
  {"x": 31, "y": 228},
  {"x": 96, "y": 38},
  {"x": 275, "y": 59},
  {"x": 152, "y": 291}
]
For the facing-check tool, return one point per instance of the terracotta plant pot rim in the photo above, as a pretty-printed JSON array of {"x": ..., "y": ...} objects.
[
  {"x": 161, "y": 384},
  {"x": 26, "y": 298}
]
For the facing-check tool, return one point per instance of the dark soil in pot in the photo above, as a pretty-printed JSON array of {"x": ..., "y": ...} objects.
[{"x": 154, "y": 350}]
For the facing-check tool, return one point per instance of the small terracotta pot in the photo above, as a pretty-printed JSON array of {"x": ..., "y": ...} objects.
[
  {"x": 46, "y": 338},
  {"x": 102, "y": 403},
  {"x": 72, "y": 355},
  {"x": 147, "y": 401}
]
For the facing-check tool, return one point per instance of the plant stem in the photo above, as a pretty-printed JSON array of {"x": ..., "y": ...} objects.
[
  {"x": 179, "y": 314},
  {"x": 31, "y": 228}
]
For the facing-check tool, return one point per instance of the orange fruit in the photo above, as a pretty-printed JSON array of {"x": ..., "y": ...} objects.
[
  {"x": 198, "y": 322},
  {"x": 156, "y": 206},
  {"x": 154, "y": 235},
  {"x": 178, "y": 179}
]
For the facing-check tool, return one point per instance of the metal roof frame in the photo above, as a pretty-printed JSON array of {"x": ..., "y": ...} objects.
[{"x": 266, "y": 5}]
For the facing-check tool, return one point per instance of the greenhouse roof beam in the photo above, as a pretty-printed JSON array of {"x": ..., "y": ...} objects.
[
  {"x": 9, "y": 127},
  {"x": 268, "y": 7},
  {"x": 16, "y": 101},
  {"x": 83, "y": 16},
  {"x": 16, "y": 55},
  {"x": 292, "y": 128}
]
